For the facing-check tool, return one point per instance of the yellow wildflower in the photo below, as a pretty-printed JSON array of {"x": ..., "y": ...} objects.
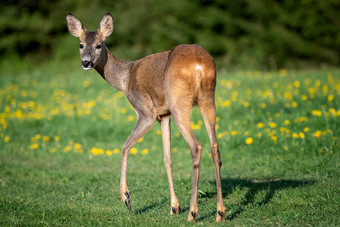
[
  {"x": 46, "y": 138},
  {"x": 34, "y": 146},
  {"x": 302, "y": 135},
  {"x": 86, "y": 83},
  {"x": 226, "y": 103},
  {"x": 272, "y": 124},
  {"x": 263, "y": 105},
  {"x": 67, "y": 148},
  {"x": 233, "y": 133},
  {"x": 108, "y": 152},
  {"x": 317, "y": 134},
  {"x": 260, "y": 125},
  {"x": 131, "y": 118},
  {"x": 274, "y": 138},
  {"x": 317, "y": 113},
  {"x": 249, "y": 140},
  {"x": 6, "y": 139},
  {"x": 296, "y": 83},
  {"x": 295, "y": 135},
  {"x": 133, "y": 150},
  {"x": 145, "y": 151},
  {"x": 123, "y": 110},
  {"x": 304, "y": 97},
  {"x": 116, "y": 151},
  {"x": 306, "y": 129},
  {"x": 330, "y": 98}
]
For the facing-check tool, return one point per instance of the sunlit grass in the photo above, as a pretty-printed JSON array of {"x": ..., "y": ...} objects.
[{"x": 271, "y": 126}]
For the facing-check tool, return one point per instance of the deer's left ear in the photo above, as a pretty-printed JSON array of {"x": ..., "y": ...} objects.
[
  {"x": 74, "y": 26},
  {"x": 106, "y": 25}
]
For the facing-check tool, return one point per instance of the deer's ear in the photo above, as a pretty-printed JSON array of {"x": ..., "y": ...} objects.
[
  {"x": 106, "y": 25},
  {"x": 74, "y": 26}
]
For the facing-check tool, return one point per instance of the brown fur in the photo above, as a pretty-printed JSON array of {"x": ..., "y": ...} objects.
[{"x": 158, "y": 85}]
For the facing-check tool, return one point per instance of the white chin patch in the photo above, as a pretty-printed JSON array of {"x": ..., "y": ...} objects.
[{"x": 86, "y": 68}]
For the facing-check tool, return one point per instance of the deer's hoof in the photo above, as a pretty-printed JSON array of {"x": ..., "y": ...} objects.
[
  {"x": 127, "y": 200},
  {"x": 220, "y": 216},
  {"x": 175, "y": 210},
  {"x": 192, "y": 216}
]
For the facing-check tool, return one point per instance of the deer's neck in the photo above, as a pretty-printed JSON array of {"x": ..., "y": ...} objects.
[{"x": 114, "y": 70}]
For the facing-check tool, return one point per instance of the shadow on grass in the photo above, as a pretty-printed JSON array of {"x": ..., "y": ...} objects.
[{"x": 252, "y": 188}]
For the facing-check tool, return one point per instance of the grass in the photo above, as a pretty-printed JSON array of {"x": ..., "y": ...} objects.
[{"x": 61, "y": 133}]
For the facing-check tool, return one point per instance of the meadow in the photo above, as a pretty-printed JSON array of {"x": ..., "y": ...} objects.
[{"x": 61, "y": 131}]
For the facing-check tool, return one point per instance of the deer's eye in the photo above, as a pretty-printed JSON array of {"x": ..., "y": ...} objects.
[
  {"x": 81, "y": 46},
  {"x": 98, "y": 46}
]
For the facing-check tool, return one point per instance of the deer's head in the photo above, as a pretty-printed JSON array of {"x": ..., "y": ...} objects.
[{"x": 92, "y": 44}]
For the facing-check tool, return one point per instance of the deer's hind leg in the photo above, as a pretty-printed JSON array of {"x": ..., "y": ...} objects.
[
  {"x": 166, "y": 136},
  {"x": 180, "y": 105},
  {"x": 208, "y": 110}
]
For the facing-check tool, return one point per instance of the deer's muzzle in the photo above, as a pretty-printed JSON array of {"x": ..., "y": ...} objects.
[{"x": 87, "y": 65}]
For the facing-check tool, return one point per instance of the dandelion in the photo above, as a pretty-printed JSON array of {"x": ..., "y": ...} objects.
[
  {"x": 274, "y": 138},
  {"x": 288, "y": 96},
  {"x": 37, "y": 136},
  {"x": 145, "y": 151},
  {"x": 108, "y": 152},
  {"x": 140, "y": 140},
  {"x": 249, "y": 141},
  {"x": 116, "y": 151},
  {"x": 133, "y": 150},
  {"x": 330, "y": 98},
  {"x": 317, "y": 134},
  {"x": 46, "y": 138},
  {"x": 34, "y": 146},
  {"x": 234, "y": 133},
  {"x": 301, "y": 135},
  {"x": 260, "y": 125},
  {"x": 57, "y": 138},
  {"x": 86, "y": 83},
  {"x": 306, "y": 129},
  {"x": 263, "y": 105},
  {"x": 6, "y": 139},
  {"x": 94, "y": 151},
  {"x": 272, "y": 124},
  {"x": 226, "y": 103},
  {"x": 131, "y": 118},
  {"x": 67, "y": 149},
  {"x": 286, "y": 122},
  {"x": 195, "y": 126},
  {"x": 317, "y": 113},
  {"x": 123, "y": 110},
  {"x": 295, "y": 135},
  {"x": 296, "y": 83},
  {"x": 304, "y": 97},
  {"x": 294, "y": 104}
]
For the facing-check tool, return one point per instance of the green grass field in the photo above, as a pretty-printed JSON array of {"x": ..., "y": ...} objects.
[{"x": 60, "y": 159}]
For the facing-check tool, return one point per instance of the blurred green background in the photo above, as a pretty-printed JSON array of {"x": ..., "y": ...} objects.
[{"x": 242, "y": 34}]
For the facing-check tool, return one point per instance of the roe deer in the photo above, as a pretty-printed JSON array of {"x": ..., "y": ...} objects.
[{"x": 157, "y": 86}]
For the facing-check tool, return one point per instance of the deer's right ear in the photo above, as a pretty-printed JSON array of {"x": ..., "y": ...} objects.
[{"x": 74, "y": 26}]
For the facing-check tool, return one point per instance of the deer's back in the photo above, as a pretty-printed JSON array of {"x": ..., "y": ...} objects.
[{"x": 147, "y": 84}]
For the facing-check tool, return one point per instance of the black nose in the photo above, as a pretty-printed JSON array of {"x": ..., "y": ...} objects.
[{"x": 87, "y": 64}]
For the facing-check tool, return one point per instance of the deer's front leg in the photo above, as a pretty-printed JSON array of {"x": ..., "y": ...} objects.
[{"x": 143, "y": 125}]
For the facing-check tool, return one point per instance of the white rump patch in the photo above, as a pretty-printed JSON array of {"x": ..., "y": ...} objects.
[{"x": 198, "y": 67}]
